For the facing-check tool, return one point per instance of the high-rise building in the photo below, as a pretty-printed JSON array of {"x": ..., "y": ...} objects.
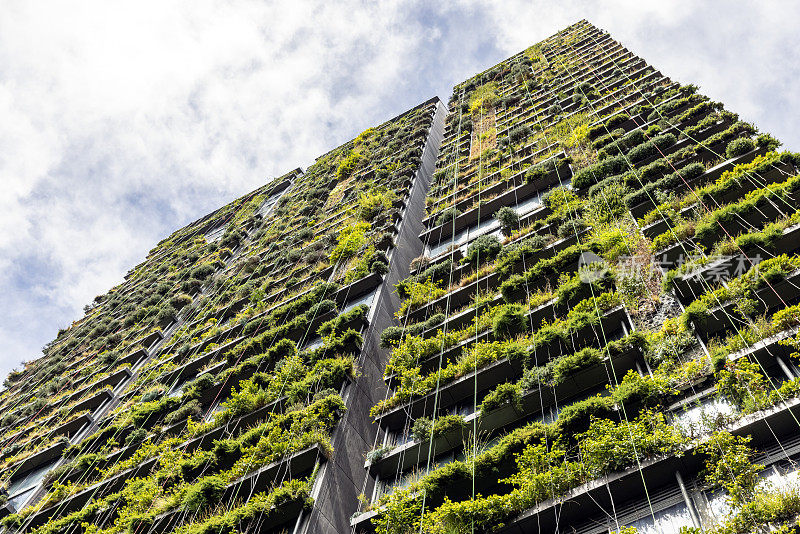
[{"x": 565, "y": 302}]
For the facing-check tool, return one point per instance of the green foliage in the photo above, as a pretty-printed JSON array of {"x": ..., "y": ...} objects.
[
  {"x": 483, "y": 249},
  {"x": 374, "y": 202},
  {"x": 204, "y": 494},
  {"x": 594, "y": 173},
  {"x": 420, "y": 293},
  {"x": 348, "y": 165},
  {"x": 739, "y": 147},
  {"x": 651, "y": 148},
  {"x": 447, "y": 216},
  {"x": 338, "y": 324},
  {"x": 349, "y": 242},
  {"x": 421, "y": 429},
  {"x": 729, "y": 465},
  {"x": 607, "y": 446},
  {"x": 166, "y": 315},
  {"x": 503, "y": 394},
  {"x": 509, "y": 320},
  {"x": 190, "y": 409},
  {"x": 483, "y": 98},
  {"x": 509, "y": 220},
  {"x": 743, "y": 384},
  {"x": 641, "y": 390}
]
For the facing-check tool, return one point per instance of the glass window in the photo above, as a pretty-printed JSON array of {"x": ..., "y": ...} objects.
[
  {"x": 177, "y": 390},
  {"x": 218, "y": 407},
  {"x": 267, "y": 205},
  {"x": 30, "y": 480},
  {"x": 216, "y": 233},
  {"x": 364, "y": 299},
  {"x": 528, "y": 205},
  {"x": 717, "y": 506},
  {"x": 781, "y": 476},
  {"x": 702, "y": 416},
  {"x": 667, "y": 521},
  {"x": 492, "y": 225},
  {"x": 18, "y": 500},
  {"x": 313, "y": 344}
]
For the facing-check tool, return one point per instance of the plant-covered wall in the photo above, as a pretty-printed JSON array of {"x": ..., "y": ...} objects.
[
  {"x": 204, "y": 391},
  {"x": 602, "y": 333}
]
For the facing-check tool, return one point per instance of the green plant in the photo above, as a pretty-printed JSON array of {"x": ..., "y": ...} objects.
[
  {"x": 739, "y": 147},
  {"x": 204, "y": 494},
  {"x": 508, "y": 321},
  {"x": 376, "y": 454},
  {"x": 349, "y": 242},
  {"x": 447, "y": 216},
  {"x": 166, "y": 315},
  {"x": 506, "y": 393},
  {"x": 421, "y": 429},
  {"x": 729, "y": 464},
  {"x": 509, "y": 220},
  {"x": 483, "y": 249},
  {"x": 137, "y": 436}
]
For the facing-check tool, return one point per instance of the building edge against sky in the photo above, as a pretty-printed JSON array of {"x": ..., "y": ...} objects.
[{"x": 568, "y": 300}]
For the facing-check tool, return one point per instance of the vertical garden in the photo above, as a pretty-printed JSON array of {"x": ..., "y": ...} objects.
[{"x": 602, "y": 333}]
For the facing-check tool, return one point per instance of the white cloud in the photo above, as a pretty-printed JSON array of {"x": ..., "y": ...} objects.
[{"x": 123, "y": 121}]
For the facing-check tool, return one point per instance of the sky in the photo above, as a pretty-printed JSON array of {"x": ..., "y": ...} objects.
[{"x": 121, "y": 122}]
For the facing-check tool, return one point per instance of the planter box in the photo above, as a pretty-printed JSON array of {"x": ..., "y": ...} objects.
[
  {"x": 462, "y": 295},
  {"x": 93, "y": 402},
  {"x": 71, "y": 428},
  {"x": 487, "y": 376},
  {"x": 37, "y": 459},
  {"x": 299, "y": 462},
  {"x": 485, "y": 211},
  {"x": 410, "y": 454},
  {"x": 693, "y": 284},
  {"x": 112, "y": 380},
  {"x": 134, "y": 358},
  {"x": 769, "y": 298}
]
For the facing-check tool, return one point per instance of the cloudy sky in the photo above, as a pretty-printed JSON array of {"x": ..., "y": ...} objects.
[{"x": 122, "y": 121}]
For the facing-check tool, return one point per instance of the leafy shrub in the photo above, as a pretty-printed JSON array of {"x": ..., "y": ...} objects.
[
  {"x": 509, "y": 320},
  {"x": 201, "y": 272},
  {"x": 542, "y": 169},
  {"x": 519, "y": 133},
  {"x": 180, "y": 301},
  {"x": 322, "y": 308},
  {"x": 447, "y": 216},
  {"x": 375, "y": 202},
  {"x": 349, "y": 242},
  {"x": 483, "y": 249},
  {"x": 421, "y": 429},
  {"x": 594, "y": 173},
  {"x": 576, "y": 416},
  {"x": 607, "y": 447},
  {"x": 508, "y": 218},
  {"x": 190, "y": 409},
  {"x": 203, "y": 494},
  {"x": 166, "y": 315},
  {"x": 137, "y": 436},
  {"x": 152, "y": 393},
  {"x": 376, "y": 454},
  {"x": 652, "y": 147},
  {"x": 348, "y": 165},
  {"x": 379, "y": 267},
  {"x": 739, "y": 147},
  {"x": 448, "y": 423},
  {"x": 506, "y": 393}
]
